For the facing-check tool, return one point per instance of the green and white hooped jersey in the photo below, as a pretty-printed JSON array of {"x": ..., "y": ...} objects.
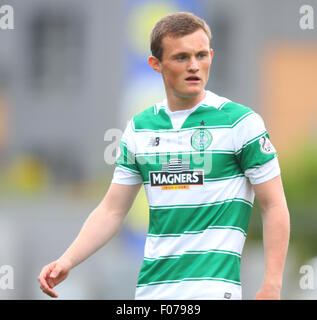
[{"x": 198, "y": 167}]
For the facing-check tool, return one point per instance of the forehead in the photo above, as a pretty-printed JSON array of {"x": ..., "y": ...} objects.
[{"x": 196, "y": 41}]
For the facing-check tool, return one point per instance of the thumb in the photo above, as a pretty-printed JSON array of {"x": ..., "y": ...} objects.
[{"x": 56, "y": 271}]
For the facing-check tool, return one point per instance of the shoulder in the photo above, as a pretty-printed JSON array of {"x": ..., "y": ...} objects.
[
  {"x": 145, "y": 115},
  {"x": 231, "y": 112},
  {"x": 152, "y": 118},
  {"x": 236, "y": 112}
]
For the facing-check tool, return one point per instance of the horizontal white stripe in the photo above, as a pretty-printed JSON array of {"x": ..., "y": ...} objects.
[
  {"x": 180, "y": 141},
  {"x": 247, "y": 129},
  {"x": 190, "y": 290},
  {"x": 207, "y": 193},
  {"x": 126, "y": 177},
  {"x": 209, "y": 240},
  {"x": 201, "y": 205},
  {"x": 266, "y": 172}
]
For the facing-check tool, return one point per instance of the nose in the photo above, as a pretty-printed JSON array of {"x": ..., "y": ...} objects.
[{"x": 193, "y": 65}]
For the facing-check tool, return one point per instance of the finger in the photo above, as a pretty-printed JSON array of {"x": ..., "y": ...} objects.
[
  {"x": 47, "y": 282},
  {"x": 49, "y": 291},
  {"x": 42, "y": 281},
  {"x": 45, "y": 271},
  {"x": 44, "y": 277}
]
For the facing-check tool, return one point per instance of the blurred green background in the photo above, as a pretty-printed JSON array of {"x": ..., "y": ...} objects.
[{"x": 71, "y": 71}]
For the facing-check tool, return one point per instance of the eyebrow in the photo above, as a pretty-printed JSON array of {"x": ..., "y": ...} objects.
[{"x": 186, "y": 53}]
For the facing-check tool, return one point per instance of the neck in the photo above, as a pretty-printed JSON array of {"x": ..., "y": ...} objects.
[{"x": 177, "y": 103}]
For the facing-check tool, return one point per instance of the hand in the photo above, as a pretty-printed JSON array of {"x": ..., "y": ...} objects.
[
  {"x": 268, "y": 293},
  {"x": 51, "y": 275}
]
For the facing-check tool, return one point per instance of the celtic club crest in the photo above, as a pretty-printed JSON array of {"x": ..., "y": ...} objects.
[{"x": 201, "y": 139}]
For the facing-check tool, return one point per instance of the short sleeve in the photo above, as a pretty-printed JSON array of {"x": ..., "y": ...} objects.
[
  {"x": 266, "y": 172},
  {"x": 126, "y": 171},
  {"x": 253, "y": 147}
]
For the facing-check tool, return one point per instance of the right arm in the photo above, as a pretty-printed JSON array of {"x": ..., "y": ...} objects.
[{"x": 101, "y": 225}]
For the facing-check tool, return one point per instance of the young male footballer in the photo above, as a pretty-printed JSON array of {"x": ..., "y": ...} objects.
[{"x": 202, "y": 159}]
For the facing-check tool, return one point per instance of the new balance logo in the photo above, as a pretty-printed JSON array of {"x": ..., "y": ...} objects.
[{"x": 154, "y": 142}]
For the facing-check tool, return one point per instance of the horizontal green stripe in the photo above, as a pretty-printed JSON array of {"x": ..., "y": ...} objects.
[
  {"x": 175, "y": 235},
  {"x": 252, "y": 157},
  {"x": 251, "y": 141},
  {"x": 178, "y": 220},
  {"x": 214, "y": 117},
  {"x": 215, "y": 165},
  {"x": 180, "y": 153},
  {"x": 210, "y": 116},
  {"x": 218, "y": 227},
  {"x": 188, "y": 279},
  {"x": 214, "y": 127},
  {"x": 175, "y": 256},
  {"x": 156, "y": 119},
  {"x": 211, "y": 265},
  {"x": 185, "y": 129}
]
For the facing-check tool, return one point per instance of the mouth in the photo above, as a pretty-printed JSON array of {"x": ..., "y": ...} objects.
[{"x": 193, "y": 79}]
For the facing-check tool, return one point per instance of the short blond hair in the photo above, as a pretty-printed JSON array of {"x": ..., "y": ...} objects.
[{"x": 176, "y": 25}]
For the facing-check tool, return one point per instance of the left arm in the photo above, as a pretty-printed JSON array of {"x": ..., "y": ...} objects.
[{"x": 276, "y": 229}]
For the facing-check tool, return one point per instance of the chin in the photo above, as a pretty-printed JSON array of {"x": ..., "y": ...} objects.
[{"x": 191, "y": 93}]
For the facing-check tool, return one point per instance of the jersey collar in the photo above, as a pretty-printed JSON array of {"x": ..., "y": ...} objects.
[{"x": 211, "y": 100}]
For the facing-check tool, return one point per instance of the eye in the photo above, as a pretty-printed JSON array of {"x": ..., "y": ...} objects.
[
  {"x": 181, "y": 57},
  {"x": 202, "y": 55}
]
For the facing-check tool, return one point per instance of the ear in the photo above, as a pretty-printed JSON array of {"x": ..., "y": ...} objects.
[
  {"x": 155, "y": 63},
  {"x": 211, "y": 53}
]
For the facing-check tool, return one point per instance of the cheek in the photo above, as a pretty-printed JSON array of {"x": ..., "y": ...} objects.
[
  {"x": 205, "y": 67},
  {"x": 174, "y": 72}
]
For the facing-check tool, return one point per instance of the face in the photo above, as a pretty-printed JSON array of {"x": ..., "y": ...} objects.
[{"x": 185, "y": 64}]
